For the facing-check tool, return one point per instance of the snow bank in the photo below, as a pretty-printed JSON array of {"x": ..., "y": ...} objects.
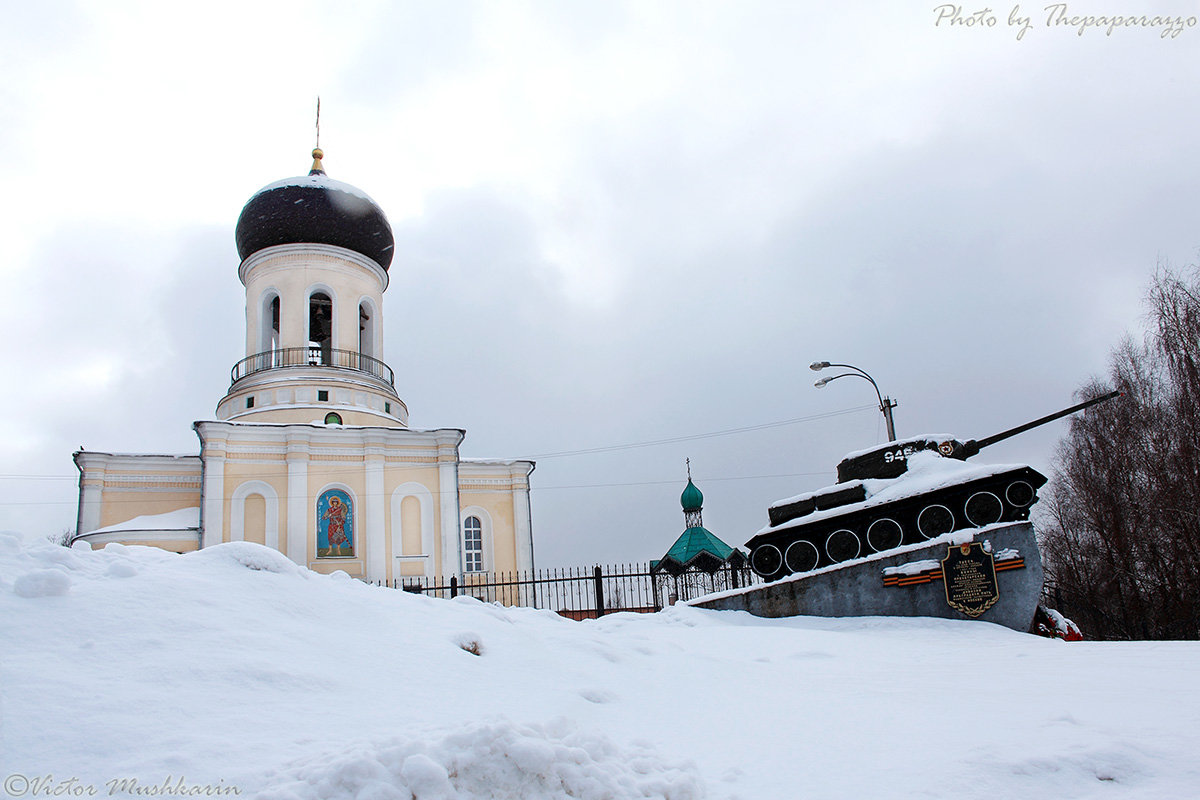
[
  {"x": 231, "y": 667},
  {"x": 42, "y": 583},
  {"x": 499, "y": 759},
  {"x": 250, "y": 555}
]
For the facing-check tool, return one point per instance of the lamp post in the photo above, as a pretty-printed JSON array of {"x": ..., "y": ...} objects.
[{"x": 886, "y": 404}]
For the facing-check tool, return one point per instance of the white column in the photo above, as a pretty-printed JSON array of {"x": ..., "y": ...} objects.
[
  {"x": 374, "y": 515},
  {"x": 522, "y": 523},
  {"x": 213, "y": 457},
  {"x": 297, "y": 501},
  {"x": 91, "y": 496},
  {"x": 522, "y": 528},
  {"x": 448, "y": 497}
]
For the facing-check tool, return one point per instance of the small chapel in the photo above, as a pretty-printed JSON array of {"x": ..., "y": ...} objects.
[
  {"x": 310, "y": 451},
  {"x": 698, "y": 562}
]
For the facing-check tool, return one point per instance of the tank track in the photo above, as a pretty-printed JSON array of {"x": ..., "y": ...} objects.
[{"x": 861, "y": 531}]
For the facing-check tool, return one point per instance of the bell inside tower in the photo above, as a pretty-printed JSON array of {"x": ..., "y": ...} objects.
[
  {"x": 366, "y": 332},
  {"x": 320, "y": 329},
  {"x": 273, "y": 332}
]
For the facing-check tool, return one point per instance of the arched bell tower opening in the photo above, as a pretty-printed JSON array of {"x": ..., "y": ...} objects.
[
  {"x": 315, "y": 257},
  {"x": 366, "y": 329},
  {"x": 268, "y": 337},
  {"x": 320, "y": 328}
]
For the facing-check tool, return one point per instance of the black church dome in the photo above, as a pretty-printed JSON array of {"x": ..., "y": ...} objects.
[{"x": 315, "y": 209}]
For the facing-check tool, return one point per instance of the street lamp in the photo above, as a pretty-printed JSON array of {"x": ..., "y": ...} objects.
[{"x": 886, "y": 404}]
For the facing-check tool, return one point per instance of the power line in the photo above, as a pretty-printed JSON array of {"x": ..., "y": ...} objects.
[
  {"x": 695, "y": 436},
  {"x": 698, "y": 479},
  {"x": 39, "y": 477}
]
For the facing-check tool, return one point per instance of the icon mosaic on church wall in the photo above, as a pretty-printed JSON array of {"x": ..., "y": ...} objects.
[{"x": 335, "y": 524}]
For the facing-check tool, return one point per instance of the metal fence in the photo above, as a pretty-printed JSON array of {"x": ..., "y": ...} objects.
[
  {"x": 582, "y": 592},
  {"x": 311, "y": 357}
]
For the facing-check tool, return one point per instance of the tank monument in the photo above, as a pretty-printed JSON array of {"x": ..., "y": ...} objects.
[{"x": 909, "y": 529}]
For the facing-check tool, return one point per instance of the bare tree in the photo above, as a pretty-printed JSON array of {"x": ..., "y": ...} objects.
[
  {"x": 1121, "y": 523},
  {"x": 63, "y": 538}
]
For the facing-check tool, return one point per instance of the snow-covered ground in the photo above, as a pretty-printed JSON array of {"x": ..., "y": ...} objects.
[{"x": 231, "y": 668}]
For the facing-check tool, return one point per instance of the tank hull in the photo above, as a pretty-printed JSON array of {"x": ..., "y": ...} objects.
[{"x": 813, "y": 538}]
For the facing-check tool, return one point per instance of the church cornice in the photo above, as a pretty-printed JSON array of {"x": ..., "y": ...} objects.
[
  {"x": 288, "y": 256},
  {"x": 317, "y": 433}
]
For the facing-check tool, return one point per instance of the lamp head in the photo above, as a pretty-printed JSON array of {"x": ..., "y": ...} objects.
[
  {"x": 817, "y": 366},
  {"x": 821, "y": 383}
]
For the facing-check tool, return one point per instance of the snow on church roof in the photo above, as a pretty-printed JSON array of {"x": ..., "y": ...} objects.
[
  {"x": 318, "y": 181},
  {"x": 180, "y": 520},
  {"x": 315, "y": 209}
]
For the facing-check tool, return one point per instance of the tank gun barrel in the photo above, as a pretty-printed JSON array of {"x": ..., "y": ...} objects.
[{"x": 972, "y": 447}]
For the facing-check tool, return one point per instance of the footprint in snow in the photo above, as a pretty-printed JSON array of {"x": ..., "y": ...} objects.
[{"x": 598, "y": 696}]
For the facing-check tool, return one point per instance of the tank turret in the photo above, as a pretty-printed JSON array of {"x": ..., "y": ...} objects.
[{"x": 899, "y": 493}]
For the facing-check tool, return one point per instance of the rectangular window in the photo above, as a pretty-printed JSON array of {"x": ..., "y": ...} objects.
[
  {"x": 474, "y": 561},
  {"x": 387, "y": 408},
  {"x": 322, "y": 394},
  {"x": 249, "y": 402},
  {"x": 473, "y": 544}
]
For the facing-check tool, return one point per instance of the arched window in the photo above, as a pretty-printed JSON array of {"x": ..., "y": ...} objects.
[
  {"x": 320, "y": 329},
  {"x": 335, "y": 524},
  {"x": 268, "y": 324},
  {"x": 366, "y": 331},
  {"x": 473, "y": 544}
]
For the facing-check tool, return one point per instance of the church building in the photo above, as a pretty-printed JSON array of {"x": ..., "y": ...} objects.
[{"x": 310, "y": 451}]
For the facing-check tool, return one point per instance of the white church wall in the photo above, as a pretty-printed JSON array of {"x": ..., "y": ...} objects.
[
  {"x": 238, "y": 516},
  {"x": 299, "y": 423},
  {"x": 489, "y": 550},
  {"x": 502, "y": 489},
  {"x": 411, "y": 543},
  {"x": 295, "y": 272},
  {"x": 116, "y": 487}
]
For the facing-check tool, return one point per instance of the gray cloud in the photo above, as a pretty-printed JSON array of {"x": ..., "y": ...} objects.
[{"x": 970, "y": 219}]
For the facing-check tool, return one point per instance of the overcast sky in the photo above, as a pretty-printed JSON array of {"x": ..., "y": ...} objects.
[{"x": 616, "y": 223}]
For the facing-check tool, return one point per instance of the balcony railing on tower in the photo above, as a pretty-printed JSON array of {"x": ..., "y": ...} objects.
[{"x": 312, "y": 357}]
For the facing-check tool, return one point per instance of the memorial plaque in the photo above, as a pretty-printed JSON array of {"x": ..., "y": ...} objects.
[{"x": 969, "y": 574}]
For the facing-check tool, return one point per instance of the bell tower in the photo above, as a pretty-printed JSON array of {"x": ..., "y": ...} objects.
[{"x": 315, "y": 256}]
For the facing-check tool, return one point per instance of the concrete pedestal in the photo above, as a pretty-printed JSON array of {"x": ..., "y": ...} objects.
[{"x": 856, "y": 588}]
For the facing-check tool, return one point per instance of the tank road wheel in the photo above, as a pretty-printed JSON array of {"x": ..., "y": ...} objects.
[
  {"x": 1020, "y": 494},
  {"x": 766, "y": 560},
  {"x": 983, "y": 508},
  {"x": 884, "y": 534},
  {"x": 934, "y": 520},
  {"x": 801, "y": 556},
  {"x": 842, "y": 545}
]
